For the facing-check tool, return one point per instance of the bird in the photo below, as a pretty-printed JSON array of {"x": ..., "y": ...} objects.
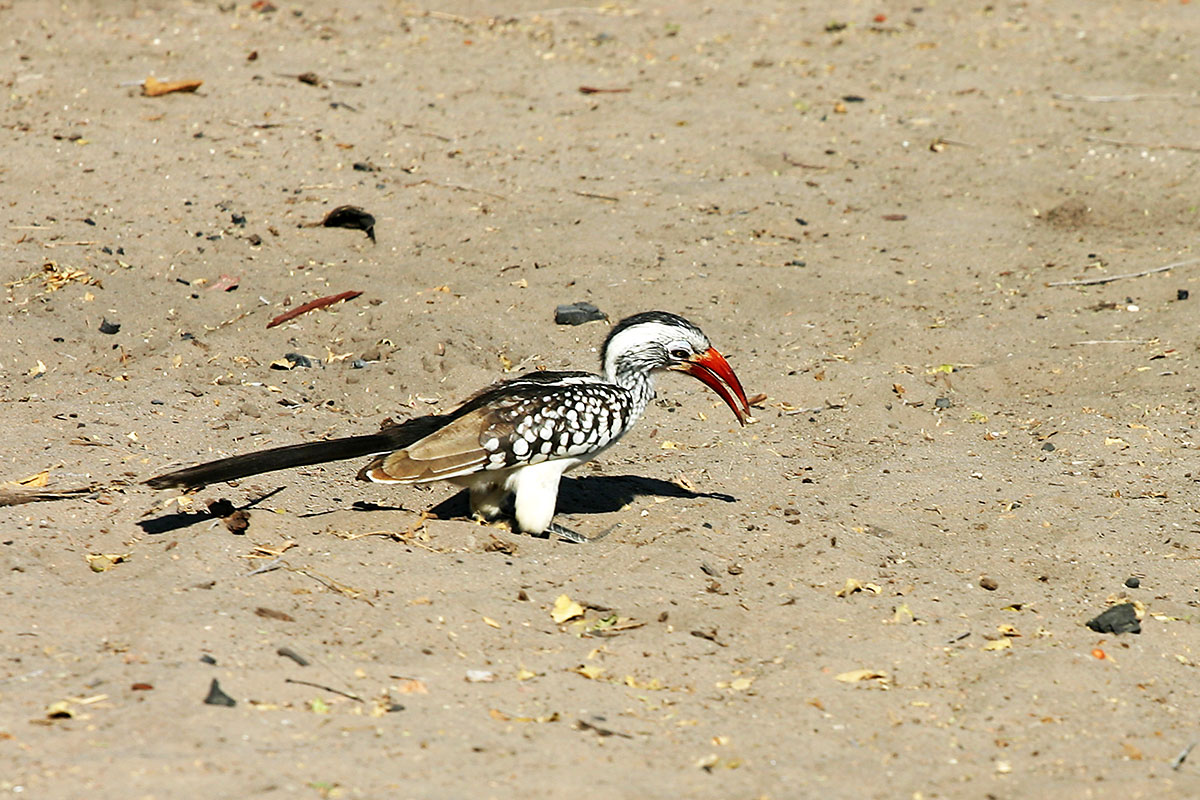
[{"x": 516, "y": 437}]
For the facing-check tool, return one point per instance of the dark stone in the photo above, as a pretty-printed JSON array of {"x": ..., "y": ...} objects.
[
  {"x": 207, "y": 659},
  {"x": 238, "y": 522},
  {"x": 218, "y": 698},
  {"x": 1117, "y": 620},
  {"x": 351, "y": 217},
  {"x": 288, "y": 652},
  {"x": 239, "y": 220},
  {"x": 109, "y": 327},
  {"x": 1049, "y": 447},
  {"x": 1133, "y": 582},
  {"x": 577, "y": 313},
  {"x": 298, "y": 360},
  {"x": 991, "y": 584},
  {"x": 942, "y": 402},
  {"x": 1181, "y": 294}
]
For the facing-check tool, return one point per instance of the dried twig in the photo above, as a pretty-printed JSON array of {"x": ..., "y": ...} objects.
[
  {"x": 312, "y": 305},
  {"x": 14, "y": 495},
  {"x": 1113, "y": 98},
  {"x": 274, "y": 564},
  {"x": 1112, "y": 341},
  {"x": 351, "y": 695},
  {"x": 791, "y": 162},
  {"x": 331, "y": 584},
  {"x": 458, "y": 186},
  {"x": 596, "y": 195},
  {"x": 1147, "y": 145},
  {"x": 1177, "y": 762},
  {"x": 413, "y": 127},
  {"x": 1111, "y": 278}
]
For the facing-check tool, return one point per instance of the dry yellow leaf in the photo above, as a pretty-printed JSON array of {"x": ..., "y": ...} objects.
[
  {"x": 491, "y": 622},
  {"x": 741, "y": 684},
  {"x": 102, "y": 562},
  {"x": 998, "y": 644},
  {"x": 653, "y": 685},
  {"x": 565, "y": 608},
  {"x": 152, "y": 87},
  {"x": 497, "y": 714},
  {"x": 856, "y": 675},
  {"x": 36, "y": 481},
  {"x": 411, "y": 686},
  {"x": 1008, "y": 630},
  {"x": 524, "y": 674},
  {"x": 59, "y": 710},
  {"x": 592, "y": 673},
  {"x": 853, "y": 585}
]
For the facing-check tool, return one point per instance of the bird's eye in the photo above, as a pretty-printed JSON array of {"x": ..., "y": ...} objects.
[{"x": 680, "y": 353}]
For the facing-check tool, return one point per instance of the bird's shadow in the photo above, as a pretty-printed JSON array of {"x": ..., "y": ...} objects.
[
  {"x": 179, "y": 519},
  {"x": 594, "y": 494}
]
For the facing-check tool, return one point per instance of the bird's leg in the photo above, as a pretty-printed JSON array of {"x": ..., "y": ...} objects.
[
  {"x": 487, "y": 500},
  {"x": 535, "y": 494}
]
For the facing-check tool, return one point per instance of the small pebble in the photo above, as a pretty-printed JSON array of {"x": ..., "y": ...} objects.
[
  {"x": 1181, "y": 294},
  {"x": 942, "y": 402},
  {"x": 358, "y": 363},
  {"x": 991, "y": 584},
  {"x": 577, "y": 313},
  {"x": 299, "y": 360},
  {"x": 109, "y": 327},
  {"x": 1132, "y": 582},
  {"x": 1049, "y": 447},
  {"x": 1117, "y": 620},
  {"x": 216, "y": 697}
]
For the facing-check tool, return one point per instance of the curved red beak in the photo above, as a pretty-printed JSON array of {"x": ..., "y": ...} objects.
[{"x": 713, "y": 370}]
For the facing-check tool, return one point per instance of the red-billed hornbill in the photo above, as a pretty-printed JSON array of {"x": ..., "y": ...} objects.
[{"x": 519, "y": 436}]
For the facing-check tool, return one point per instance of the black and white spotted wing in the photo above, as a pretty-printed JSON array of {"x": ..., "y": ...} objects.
[
  {"x": 534, "y": 418},
  {"x": 547, "y": 416}
]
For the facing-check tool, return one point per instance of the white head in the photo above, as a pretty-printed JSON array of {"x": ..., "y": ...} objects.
[{"x": 642, "y": 344}]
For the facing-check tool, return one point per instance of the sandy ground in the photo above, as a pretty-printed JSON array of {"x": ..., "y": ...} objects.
[{"x": 866, "y": 207}]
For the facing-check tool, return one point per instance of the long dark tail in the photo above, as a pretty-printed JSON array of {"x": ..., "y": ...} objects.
[{"x": 394, "y": 437}]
